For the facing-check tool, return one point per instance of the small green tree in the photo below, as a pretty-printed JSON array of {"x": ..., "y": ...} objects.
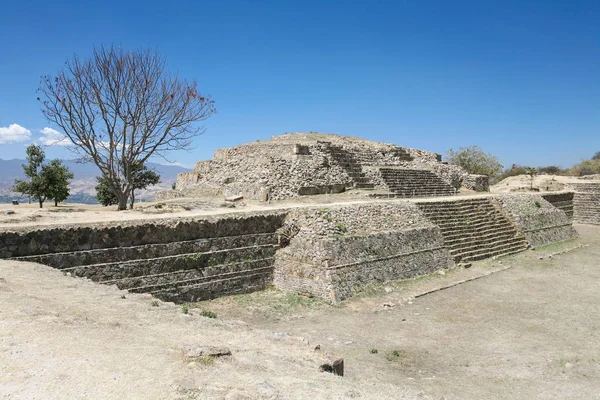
[
  {"x": 46, "y": 181},
  {"x": 58, "y": 177},
  {"x": 37, "y": 185},
  {"x": 596, "y": 156},
  {"x": 142, "y": 178},
  {"x": 532, "y": 172},
  {"x": 104, "y": 193},
  {"x": 475, "y": 161}
]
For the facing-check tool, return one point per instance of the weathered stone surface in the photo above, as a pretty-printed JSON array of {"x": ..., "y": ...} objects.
[
  {"x": 537, "y": 219},
  {"x": 334, "y": 252},
  {"x": 300, "y": 164}
]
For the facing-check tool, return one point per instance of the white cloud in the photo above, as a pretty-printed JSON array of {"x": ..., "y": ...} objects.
[
  {"x": 14, "y": 133},
  {"x": 53, "y": 137}
]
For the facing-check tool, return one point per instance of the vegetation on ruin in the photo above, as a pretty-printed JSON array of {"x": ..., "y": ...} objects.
[
  {"x": 119, "y": 108},
  {"x": 44, "y": 181},
  {"x": 475, "y": 161}
]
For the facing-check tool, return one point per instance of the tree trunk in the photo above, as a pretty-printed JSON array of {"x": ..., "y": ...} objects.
[
  {"x": 122, "y": 203},
  {"x": 41, "y": 203},
  {"x": 132, "y": 199},
  {"x": 55, "y": 203}
]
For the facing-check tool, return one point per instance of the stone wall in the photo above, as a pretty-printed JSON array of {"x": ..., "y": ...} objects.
[
  {"x": 176, "y": 260},
  {"x": 563, "y": 201},
  {"x": 334, "y": 252},
  {"x": 586, "y": 201},
  {"x": 478, "y": 183},
  {"x": 537, "y": 219}
]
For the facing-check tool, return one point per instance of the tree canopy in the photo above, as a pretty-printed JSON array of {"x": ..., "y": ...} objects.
[
  {"x": 119, "y": 108},
  {"x": 475, "y": 161},
  {"x": 46, "y": 181},
  {"x": 142, "y": 178}
]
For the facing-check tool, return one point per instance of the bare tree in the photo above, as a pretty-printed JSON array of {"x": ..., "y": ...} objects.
[{"x": 119, "y": 108}]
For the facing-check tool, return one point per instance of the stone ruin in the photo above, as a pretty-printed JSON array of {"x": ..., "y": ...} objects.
[
  {"x": 328, "y": 251},
  {"x": 298, "y": 164},
  {"x": 331, "y": 251}
]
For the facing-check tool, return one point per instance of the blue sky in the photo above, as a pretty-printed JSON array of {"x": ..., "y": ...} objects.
[{"x": 521, "y": 79}]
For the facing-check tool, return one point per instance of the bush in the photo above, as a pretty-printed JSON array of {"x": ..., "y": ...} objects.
[
  {"x": 475, "y": 161},
  {"x": 587, "y": 167},
  {"x": 550, "y": 170},
  {"x": 514, "y": 171}
]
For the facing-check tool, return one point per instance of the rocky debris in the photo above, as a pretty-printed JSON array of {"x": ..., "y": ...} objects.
[
  {"x": 333, "y": 365},
  {"x": 197, "y": 352},
  {"x": 9, "y": 212}
]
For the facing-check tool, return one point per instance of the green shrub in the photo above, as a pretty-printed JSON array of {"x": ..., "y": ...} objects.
[
  {"x": 185, "y": 308},
  {"x": 208, "y": 314}
]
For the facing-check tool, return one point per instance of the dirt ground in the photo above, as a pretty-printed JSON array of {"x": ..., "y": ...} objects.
[
  {"x": 529, "y": 331},
  {"x": 541, "y": 183},
  {"x": 31, "y": 216},
  {"x": 528, "y": 328}
]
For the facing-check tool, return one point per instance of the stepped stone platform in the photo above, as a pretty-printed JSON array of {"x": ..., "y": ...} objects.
[
  {"x": 586, "y": 202},
  {"x": 327, "y": 250},
  {"x": 174, "y": 260},
  {"x": 474, "y": 229},
  {"x": 562, "y": 201},
  {"x": 300, "y": 164}
]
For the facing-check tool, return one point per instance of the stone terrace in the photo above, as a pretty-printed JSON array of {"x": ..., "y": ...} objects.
[{"x": 328, "y": 250}]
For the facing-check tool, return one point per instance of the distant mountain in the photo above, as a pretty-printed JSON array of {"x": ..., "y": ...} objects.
[{"x": 82, "y": 187}]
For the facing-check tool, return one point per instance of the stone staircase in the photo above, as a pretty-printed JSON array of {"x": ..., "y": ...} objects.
[
  {"x": 586, "y": 202},
  {"x": 183, "y": 271},
  {"x": 474, "y": 229},
  {"x": 562, "y": 201},
  {"x": 349, "y": 162},
  {"x": 414, "y": 183}
]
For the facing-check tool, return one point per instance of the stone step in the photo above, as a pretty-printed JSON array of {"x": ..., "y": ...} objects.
[
  {"x": 486, "y": 243},
  {"x": 501, "y": 252},
  {"x": 153, "y": 266},
  {"x": 123, "y": 254},
  {"x": 228, "y": 285},
  {"x": 452, "y": 239},
  {"x": 407, "y": 196},
  {"x": 472, "y": 224},
  {"x": 150, "y": 283},
  {"x": 455, "y": 234},
  {"x": 466, "y": 216}
]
